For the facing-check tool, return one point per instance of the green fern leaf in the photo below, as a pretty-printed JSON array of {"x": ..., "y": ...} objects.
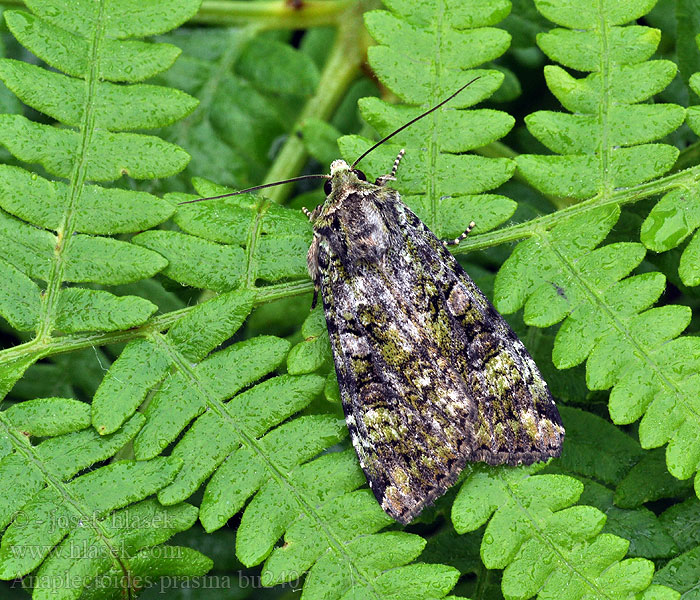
[
  {"x": 677, "y": 215},
  {"x": 314, "y": 352},
  {"x": 20, "y": 301},
  {"x": 128, "y": 61},
  {"x": 442, "y": 185},
  {"x": 604, "y": 149},
  {"x": 145, "y": 363},
  {"x": 126, "y": 531},
  {"x": 218, "y": 268},
  {"x": 98, "y": 110},
  {"x": 345, "y": 524},
  {"x": 320, "y": 139},
  {"x": 249, "y": 422},
  {"x": 167, "y": 562},
  {"x": 100, "y": 211},
  {"x": 545, "y": 544},
  {"x": 682, "y": 573},
  {"x": 682, "y": 521},
  {"x": 51, "y": 514},
  {"x": 221, "y": 375},
  {"x": 116, "y": 107},
  {"x": 557, "y": 275},
  {"x": 93, "y": 147}
]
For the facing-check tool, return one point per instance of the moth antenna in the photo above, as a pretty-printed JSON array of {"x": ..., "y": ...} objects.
[
  {"x": 412, "y": 121},
  {"x": 258, "y": 187}
]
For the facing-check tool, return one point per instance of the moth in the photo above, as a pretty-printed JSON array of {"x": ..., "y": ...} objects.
[{"x": 430, "y": 374}]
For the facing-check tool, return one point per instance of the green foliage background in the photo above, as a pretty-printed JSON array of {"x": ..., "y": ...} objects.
[{"x": 170, "y": 416}]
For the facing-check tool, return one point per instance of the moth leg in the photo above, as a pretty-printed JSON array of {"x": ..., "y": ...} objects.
[
  {"x": 456, "y": 241},
  {"x": 312, "y": 214},
  {"x": 392, "y": 176}
]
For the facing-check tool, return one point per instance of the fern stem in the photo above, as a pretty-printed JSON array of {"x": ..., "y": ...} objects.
[
  {"x": 340, "y": 70},
  {"x": 604, "y": 105},
  {"x": 272, "y": 15},
  {"x": 433, "y": 146},
  {"x": 520, "y": 231},
  {"x": 254, "y": 232},
  {"x": 39, "y": 348},
  {"x": 42, "y": 348},
  {"x": 77, "y": 179}
]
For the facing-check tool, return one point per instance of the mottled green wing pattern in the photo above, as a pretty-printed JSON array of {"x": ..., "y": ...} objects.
[{"x": 430, "y": 375}]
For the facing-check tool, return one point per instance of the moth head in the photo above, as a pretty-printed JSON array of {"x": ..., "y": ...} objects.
[{"x": 342, "y": 174}]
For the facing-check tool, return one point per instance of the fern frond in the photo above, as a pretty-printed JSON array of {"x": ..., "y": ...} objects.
[
  {"x": 437, "y": 180},
  {"x": 236, "y": 241},
  {"x": 557, "y": 275},
  {"x": 544, "y": 543},
  {"x": 682, "y": 521},
  {"x": 340, "y": 535},
  {"x": 54, "y": 517},
  {"x": 144, "y": 363},
  {"x": 603, "y": 467},
  {"x": 681, "y": 573},
  {"x": 677, "y": 215},
  {"x": 605, "y": 144},
  {"x": 52, "y": 234},
  {"x": 51, "y": 229}
]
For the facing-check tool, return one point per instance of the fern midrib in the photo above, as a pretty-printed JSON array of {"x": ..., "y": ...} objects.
[
  {"x": 604, "y": 105},
  {"x": 340, "y": 70},
  {"x": 542, "y": 537},
  {"x": 621, "y": 328},
  {"x": 86, "y": 515},
  {"x": 433, "y": 147},
  {"x": 79, "y": 341},
  {"x": 513, "y": 233},
  {"x": 278, "y": 474},
  {"x": 67, "y": 228},
  {"x": 254, "y": 231}
]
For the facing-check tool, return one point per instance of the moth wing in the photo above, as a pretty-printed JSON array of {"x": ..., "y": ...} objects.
[{"x": 430, "y": 375}]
